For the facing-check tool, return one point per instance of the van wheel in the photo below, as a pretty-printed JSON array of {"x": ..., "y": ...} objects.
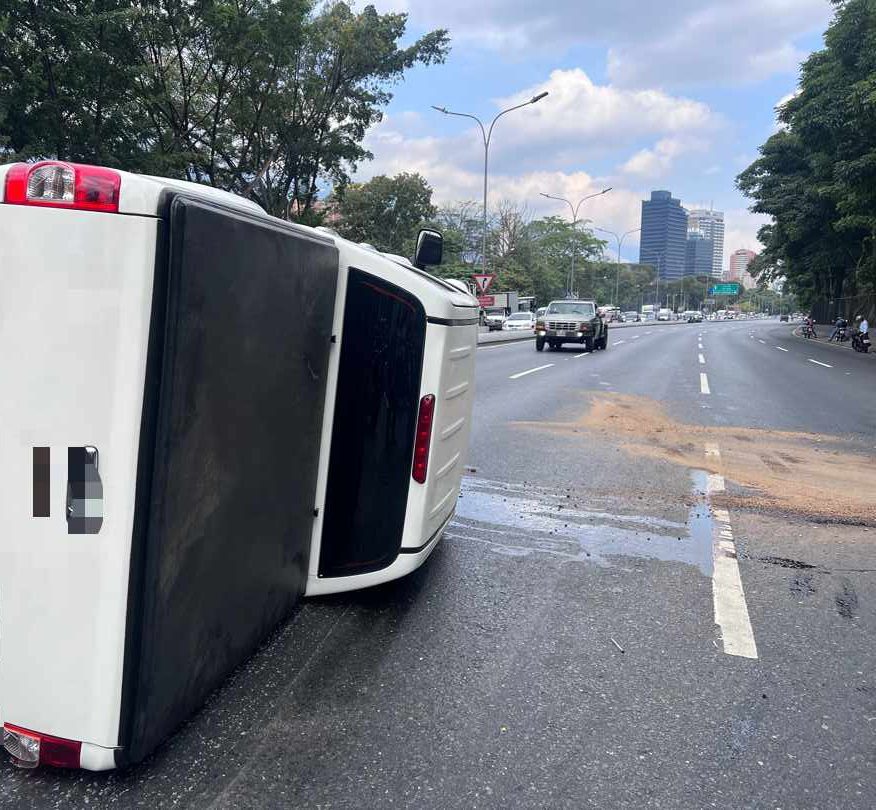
[{"x": 539, "y": 344}]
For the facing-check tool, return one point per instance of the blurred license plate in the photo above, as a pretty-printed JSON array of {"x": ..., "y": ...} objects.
[{"x": 570, "y": 334}]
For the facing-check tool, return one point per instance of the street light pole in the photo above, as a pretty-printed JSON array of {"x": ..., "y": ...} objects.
[
  {"x": 620, "y": 241},
  {"x": 659, "y": 265},
  {"x": 487, "y": 135},
  {"x": 574, "y": 209}
]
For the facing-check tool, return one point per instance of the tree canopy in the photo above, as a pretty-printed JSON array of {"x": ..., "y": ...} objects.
[
  {"x": 816, "y": 176},
  {"x": 264, "y": 97},
  {"x": 386, "y": 212}
]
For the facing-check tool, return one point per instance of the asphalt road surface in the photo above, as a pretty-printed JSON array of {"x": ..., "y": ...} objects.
[{"x": 658, "y": 592}]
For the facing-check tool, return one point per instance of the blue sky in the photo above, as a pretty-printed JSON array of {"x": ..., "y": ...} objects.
[{"x": 677, "y": 95}]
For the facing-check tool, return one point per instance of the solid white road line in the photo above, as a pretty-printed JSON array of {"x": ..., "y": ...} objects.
[
  {"x": 583, "y": 354},
  {"x": 529, "y": 371},
  {"x": 483, "y": 348},
  {"x": 728, "y": 597},
  {"x": 702, "y": 360},
  {"x": 819, "y": 363},
  {"x": 781, "y": 349},
  {"x": 731, "y": 612},
  {"x": 704, "y": 384}
]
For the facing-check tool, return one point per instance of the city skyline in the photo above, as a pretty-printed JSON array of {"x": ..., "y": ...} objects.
[{"x": 691, "y": 121}]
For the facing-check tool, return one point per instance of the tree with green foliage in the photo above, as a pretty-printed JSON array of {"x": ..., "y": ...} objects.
[
  {"x": 268, "y": 98},
  {"x": 816, "y": 177},
  {"x": 386, "y": 212}
]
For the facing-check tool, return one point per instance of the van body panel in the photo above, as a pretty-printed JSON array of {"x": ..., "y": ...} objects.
[{"x": 75, "y": 295}]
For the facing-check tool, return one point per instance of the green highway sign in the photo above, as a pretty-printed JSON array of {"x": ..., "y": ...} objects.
[{"x": 733, "y": 288}]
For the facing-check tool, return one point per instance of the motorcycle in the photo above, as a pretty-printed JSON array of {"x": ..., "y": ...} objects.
[
  {"x": 807, "y": 330},
  {"x": 861, "y": 342},
  {"x": 841, "y": 332}
]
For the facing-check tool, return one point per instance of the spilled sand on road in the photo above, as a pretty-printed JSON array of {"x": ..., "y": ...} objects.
[{"x": 813, "y": 475}]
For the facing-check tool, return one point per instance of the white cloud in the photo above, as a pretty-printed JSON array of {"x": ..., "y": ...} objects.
[
  {"x": 674, "y": 42},
  {"x": 437, "y": 159},
  {"x": 580, "y": 117},
  {"x": 655, "y": 163}
]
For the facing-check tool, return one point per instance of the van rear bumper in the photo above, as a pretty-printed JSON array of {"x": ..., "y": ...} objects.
[{"x": 408, "y": 560}]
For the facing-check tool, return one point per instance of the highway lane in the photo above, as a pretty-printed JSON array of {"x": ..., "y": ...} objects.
[{"x": 561, "y": 648}]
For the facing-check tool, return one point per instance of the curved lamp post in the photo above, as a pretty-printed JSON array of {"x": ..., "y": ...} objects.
[
  {"x": 487, "y": 135},
  {"x": 620, "y": 240},
  {"x": 574, "y": 209}
]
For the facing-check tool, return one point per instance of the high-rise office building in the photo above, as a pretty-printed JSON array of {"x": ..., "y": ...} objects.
[
  {"x": 739, "y": 261},
  {"x": 700, "y": 252},
  {"x": 711, "y": 224},
  {"x": 663, "y": 242}
]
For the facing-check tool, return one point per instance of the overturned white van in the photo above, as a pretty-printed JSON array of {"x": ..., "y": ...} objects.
[{"x": 207, "y": 414}]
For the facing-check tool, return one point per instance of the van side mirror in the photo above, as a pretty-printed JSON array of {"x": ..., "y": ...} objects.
[{"x": 430, "y": 248}]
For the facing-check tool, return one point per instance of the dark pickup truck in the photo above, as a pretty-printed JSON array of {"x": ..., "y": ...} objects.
[{"x": 571, "y": 321}]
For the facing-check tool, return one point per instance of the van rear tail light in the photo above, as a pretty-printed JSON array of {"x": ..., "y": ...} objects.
[
  {"x": 29, "y": 748},
  {"x": 56, "y": 184},
  {"x": 424, "y": 436}
]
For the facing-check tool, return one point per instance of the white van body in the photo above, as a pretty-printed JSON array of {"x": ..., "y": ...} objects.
[{"x": 76, "y": 318}]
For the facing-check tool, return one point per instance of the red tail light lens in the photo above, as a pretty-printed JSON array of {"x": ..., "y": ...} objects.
[
  {"x": 55, "y": 184},
  {"x": 31, "y": 747},
  {"x": 424, "y": 437}
]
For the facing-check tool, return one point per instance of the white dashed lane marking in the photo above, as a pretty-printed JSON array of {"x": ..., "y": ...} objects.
[
  {"x": 781, "y": 349},
  {"x": 819, "y": 363},
  {"x": 583, "y": 354},
  {"x": 761, "y": 341},
  {"x": 529, "y": 371},
  {"x": 704, "y": 384},
  {"x": 702, "y": 360}
]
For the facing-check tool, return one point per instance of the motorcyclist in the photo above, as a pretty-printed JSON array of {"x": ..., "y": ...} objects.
[
  {"x": 840, "y": 324},
  {"x": 809, "y": 326},
  {"x": 862, "y": 324}
]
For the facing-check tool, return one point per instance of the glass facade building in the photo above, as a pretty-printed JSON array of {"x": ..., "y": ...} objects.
[
  {"x": 710, "y": 223},
  {"x": 663, "y": 242},
  {"x": 700, "y": 254}
]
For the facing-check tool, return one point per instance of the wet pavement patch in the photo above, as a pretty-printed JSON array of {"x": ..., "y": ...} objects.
[{"x": 519, "y": 520}]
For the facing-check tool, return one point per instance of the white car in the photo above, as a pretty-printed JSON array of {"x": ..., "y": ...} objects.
[{"x": 519, "y": 322}]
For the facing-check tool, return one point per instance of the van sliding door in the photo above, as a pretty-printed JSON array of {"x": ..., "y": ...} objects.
[{"x": 374, "y": 424}]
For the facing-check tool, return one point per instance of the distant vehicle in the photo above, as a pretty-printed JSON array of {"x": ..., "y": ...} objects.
[
  {"x": 612, "y": 314},
  {"x": 571, "y": 321},
  {"x": 693, "y": 316},
  {"x": 539, "y": 313},
  {"x": 519, "y": 322},
  {"x": 783, "y": 318},
  {"x": 648, "y": 313},
  {"x": 664, "y": 315},
  {"x": 494, "y": 318},
  {"x": 632, "y": 316}
]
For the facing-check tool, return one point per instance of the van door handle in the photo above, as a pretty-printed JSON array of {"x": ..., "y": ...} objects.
[{"x": 84, "y": 491}]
